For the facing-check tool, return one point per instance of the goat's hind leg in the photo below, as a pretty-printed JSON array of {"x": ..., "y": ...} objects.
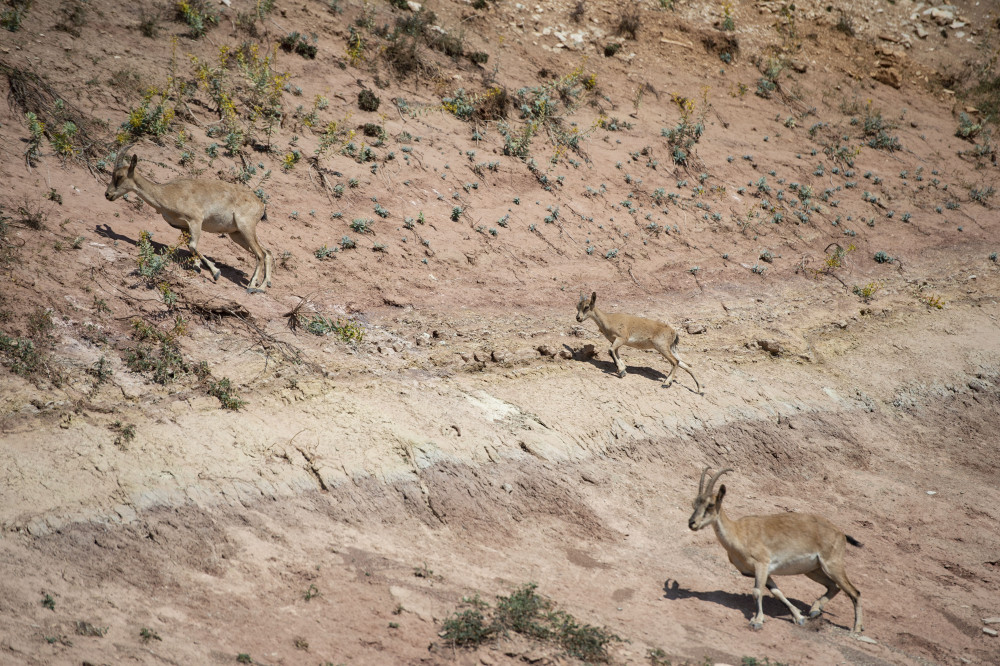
[
  {"x": 836, "y": 572},
  {"x": 665, "y": 352},
  {"x": 832, "y": 589},
  {"x": 260, "y": 273}
]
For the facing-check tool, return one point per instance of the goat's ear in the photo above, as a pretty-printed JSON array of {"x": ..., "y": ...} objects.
[
  {"x": 131, "y": 166},
  {"x": 593, "y": 299},
  {"x": 722, "y": 493}
]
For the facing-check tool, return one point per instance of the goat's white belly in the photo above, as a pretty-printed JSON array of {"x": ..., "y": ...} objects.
[
  {"x": 639, "y": 342},
  {"x": 795, "y": 565}
]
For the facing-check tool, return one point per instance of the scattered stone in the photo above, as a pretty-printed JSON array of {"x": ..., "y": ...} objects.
[
  {"x": 414, "y": 6},
  {"x": 525, "y": 354},
  {"x": 695, "y": 329},
  {"x": 772, "y": 347},
  {"x": 989, "y": 632},
  {"x": 565, "y": 354},
  {"x": 589, "y": 351},
  {"x": 481, "y": 356},
  {"x": 547, "y": 350},
  {"x": 941, "y": 15},
  {"x": 865, "y": 639},
  {"x": 890, "y": 76},
  {"x": 991, "y": 620},
  {"x": 500, "y": 356},
  {"x": 978, "y": 385}
]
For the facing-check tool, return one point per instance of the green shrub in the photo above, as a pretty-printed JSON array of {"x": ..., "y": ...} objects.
[
  {"x": 199, "y": 15},
  {"x": 296, "y": 43},
  {"x": 223, "y": 390}
]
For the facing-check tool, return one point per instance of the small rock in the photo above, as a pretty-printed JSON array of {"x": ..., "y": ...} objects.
[
  {"x": 481, "y": 356},
  {"x": 991, "y": 620},
  {"x": 771, "y": 347},
  {"x": 932, "y": 492},
  {"x": 525, "y": 355},
  {"x": 414, "y": 6},
  {"x": 889, "y": 76},
  {"x": 565, "y": 354},
  {"x": 589, "y": 351},
  {"x": 989, "y": 632},
  {"x": 500, "y": 356},
  {"x": 509, "y": 488},
  {"x": 940, "y": 15},
  {"x": 695, "y": 329},
  {"x": 978, "y": 385},
  {"x": 546, "y": 350},
  {"x": 865, "y": 639}
]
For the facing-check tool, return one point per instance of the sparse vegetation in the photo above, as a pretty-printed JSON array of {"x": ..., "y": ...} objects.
[
  {"x": 297, "y": 43},
  {"x": 527, "y": 613},
  {"x": 346, "y": 330},
  {"x": 868, "y": 291},
  {"x": 199, "y": 15}
]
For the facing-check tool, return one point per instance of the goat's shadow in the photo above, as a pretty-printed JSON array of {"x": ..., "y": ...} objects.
[
  {"x": 742, "y": 602},
  {"x": 234, "y": 275},
  {"x": 609, "y": 368}
]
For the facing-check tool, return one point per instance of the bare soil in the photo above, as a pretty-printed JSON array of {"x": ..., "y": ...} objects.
[{"x": 477, "y": 439}]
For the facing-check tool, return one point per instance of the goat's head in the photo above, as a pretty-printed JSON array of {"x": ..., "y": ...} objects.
[
  {"x": 706, "y": 504},
  {"x": 121, "y": 179},
  {"x": 584, "y": 308}
]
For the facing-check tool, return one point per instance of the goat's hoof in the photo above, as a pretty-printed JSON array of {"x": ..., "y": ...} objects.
[
  {"x": 756, "y": 626},
  {"x": 254, "y": 290},
  {"x": 801, "y": 621},
  {"x": 815, "y": 613},
  {"x": 621, "y": 373},
  {"x": 215, "y": 275}
]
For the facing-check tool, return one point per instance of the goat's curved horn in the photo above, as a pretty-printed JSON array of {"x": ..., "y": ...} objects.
[
  {"x": 711, "y": 483},
  {"x": 122, "y": 152},
  {"x": 701, "y": 482}
]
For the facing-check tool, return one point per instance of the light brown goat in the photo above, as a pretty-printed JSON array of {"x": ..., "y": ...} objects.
[
  {"x": 779, "y": 545},
  {"x": 632, "y": 331},
  {"x": 194, "y": 206}
]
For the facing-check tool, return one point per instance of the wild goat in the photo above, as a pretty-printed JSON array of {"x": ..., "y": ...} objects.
[
  {"x": 638, "y": 332},
  {"x": 783, "y": 545},
  {"x": 200, "y": 205}
]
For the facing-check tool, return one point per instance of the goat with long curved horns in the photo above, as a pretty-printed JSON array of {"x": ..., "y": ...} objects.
[
  {"x": 632, "y": 331},
  {"x": 778, "y": 545},
  {"x": 194, "y": 206}
]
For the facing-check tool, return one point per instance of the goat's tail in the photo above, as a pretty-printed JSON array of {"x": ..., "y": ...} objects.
[{"x": 854, "y": 542}]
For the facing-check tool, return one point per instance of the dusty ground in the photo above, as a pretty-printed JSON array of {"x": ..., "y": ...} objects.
[{"x": 477, "y": 439}]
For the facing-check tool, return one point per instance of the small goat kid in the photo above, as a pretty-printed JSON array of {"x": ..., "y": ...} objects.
[
  {"x": 201, "y": 205},
  {"x": 782, "y": 545},
  {"x": 632, "y": 331}
]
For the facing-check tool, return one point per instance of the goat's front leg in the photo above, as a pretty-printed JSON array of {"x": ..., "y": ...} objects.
[
  {"x": 760, "y": 578},
  {"x": 195, "y": 229},
  {"x": 619, "y": 364},
  {"x": 783, "y": 599}
]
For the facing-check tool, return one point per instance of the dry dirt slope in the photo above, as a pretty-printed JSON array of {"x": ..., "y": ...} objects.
[{"x": 472, "y": 443}]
